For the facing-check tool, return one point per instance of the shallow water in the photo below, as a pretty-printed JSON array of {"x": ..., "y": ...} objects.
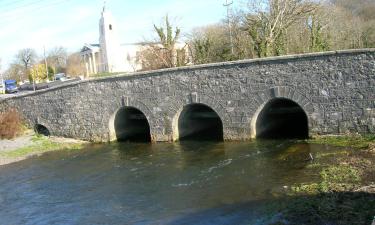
[{"x": 164, "y": 183}]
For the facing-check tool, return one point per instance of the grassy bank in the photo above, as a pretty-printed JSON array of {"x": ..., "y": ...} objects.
[
  {"x": 352, "y": 141},
  {"x": 38, "y": 145},
  {"x": 345, "y": 193}
]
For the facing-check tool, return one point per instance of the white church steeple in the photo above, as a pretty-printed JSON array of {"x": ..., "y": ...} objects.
[{"x": 111, "y": 57}]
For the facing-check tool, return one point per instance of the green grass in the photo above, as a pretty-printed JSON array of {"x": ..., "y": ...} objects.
[
  {"x": 332, "y": 200},
  {"x": 331, "y": 154},
  {"x": 40, "y": 144},
  {"x": 353, "y": 141}
]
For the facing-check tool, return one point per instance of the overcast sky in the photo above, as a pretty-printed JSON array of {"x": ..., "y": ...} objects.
[{"x": 71, "y": 23}]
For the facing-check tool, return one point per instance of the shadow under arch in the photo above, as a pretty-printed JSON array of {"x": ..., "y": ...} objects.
[
  {"x": 280, "y": 118},
  {"x": 197, "y": 121},
  {"x": 41, "y": 129},
  {"x": 129, "y": 124}
]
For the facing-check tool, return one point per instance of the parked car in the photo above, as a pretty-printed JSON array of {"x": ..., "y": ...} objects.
[
  {"x": 10, "y": 86},
  {"x": 60, "y": 77}
]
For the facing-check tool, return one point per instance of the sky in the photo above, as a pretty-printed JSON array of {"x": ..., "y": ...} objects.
[{"x": 72, "y": 23}]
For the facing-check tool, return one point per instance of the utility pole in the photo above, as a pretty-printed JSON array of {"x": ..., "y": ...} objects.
[
  {"x": 32, "y": 75},
  {"x": 228, "y": 5},
  {"x": 45, "y": 62},
  {"x": 2, "y": 84}
]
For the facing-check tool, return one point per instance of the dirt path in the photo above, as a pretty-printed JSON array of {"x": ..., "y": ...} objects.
[
  {"x": 19, "y": 142},
  {"x": 28, "y": 140}
]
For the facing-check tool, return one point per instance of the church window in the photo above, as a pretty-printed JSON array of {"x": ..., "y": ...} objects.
[{"x": 110, "y": 26}]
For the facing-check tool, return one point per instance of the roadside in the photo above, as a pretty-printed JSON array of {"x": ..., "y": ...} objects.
[
  {"x": 6, "y": 96},
  {"x": 31, "y": 144}
]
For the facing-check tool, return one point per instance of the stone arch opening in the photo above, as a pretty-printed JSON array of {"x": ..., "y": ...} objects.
[
  {"x": 199, "y": 122},
  {"x": 281, "y": 118},
  {"x": 131, "y": 125},
  {"x": 42, "y": 130}
]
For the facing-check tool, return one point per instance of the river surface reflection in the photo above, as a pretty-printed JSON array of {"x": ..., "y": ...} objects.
[{"x": 164, "y": 183}]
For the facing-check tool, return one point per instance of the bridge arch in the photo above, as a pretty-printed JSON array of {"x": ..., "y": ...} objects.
[
  {"x": 41, "y": 129},
  {"x": 129, "y": 123},
  {"x": 282, "y": 99},
  {"x": 197, "y": 121},
  {"x": 280, "y": 118}
]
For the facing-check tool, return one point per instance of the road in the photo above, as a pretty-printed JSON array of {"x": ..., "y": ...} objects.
[{"x": 5, "y": 96}]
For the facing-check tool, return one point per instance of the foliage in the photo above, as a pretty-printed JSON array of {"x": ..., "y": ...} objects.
[
  {"x": 201, "y": 49},
  {"x": 318, "y": 42},
  {"x": 167, "y": 39},
  {"x": 210, "y": 44},
  {"x": 57, "y": 59},
  {"x": 10, "y": 124},
  {"x": 38, "y": 73},
  {"x": 51, "y": 73},
  {"x": 278, "y": 27},
  {"x": 165, "y": 52}
]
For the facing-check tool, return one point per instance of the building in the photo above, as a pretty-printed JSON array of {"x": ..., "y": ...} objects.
[{"x": 109, "y": 55}]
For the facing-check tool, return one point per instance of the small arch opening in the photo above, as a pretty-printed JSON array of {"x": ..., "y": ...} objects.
[
  {"x": 131, "y": 125},
  {"x": 199, "y": 122},
  {"x": 42, "y": 130},
  {"x": 282, "y": 118}
]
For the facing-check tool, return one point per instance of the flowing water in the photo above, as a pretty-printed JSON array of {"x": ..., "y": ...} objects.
[{"x": 164, "y": 183}]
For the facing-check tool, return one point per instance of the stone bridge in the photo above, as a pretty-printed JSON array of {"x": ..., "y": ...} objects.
[{"x": 290, "y": 96}]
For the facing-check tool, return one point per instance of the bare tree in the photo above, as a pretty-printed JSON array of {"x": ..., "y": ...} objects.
[
  {"x": 267, "y": 22},
  {"x": 15, "y": 72},
  {"x": 74, "y": 66},
  {"x": 26, "y": 58},
  {"x": 360, "y": 20},
  {"x": 210, "y": 44},
  {"x": 57, "y": 59}
]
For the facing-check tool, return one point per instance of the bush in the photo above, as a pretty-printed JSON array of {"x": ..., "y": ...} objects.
[{"x": 10, "y": 124}]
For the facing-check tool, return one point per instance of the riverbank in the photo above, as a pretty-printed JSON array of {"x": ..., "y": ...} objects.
[
  {"x": 345, "y": 192},
  {"x": 31, "y": 144}
]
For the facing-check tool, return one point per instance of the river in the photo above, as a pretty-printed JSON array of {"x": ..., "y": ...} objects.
[{"x": 163, "y": 183}]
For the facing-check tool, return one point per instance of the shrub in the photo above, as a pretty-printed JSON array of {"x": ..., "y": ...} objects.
[{"x": 10, "y": 124}]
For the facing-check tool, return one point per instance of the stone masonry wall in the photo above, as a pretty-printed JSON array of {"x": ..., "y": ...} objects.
[{"x": 336, "y": 90}]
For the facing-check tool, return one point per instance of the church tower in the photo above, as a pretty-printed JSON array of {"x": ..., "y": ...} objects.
[{"x": 110, "y": 50}]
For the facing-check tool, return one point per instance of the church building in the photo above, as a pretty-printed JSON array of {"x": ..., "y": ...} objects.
[{"x": 109, "y": 55}]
